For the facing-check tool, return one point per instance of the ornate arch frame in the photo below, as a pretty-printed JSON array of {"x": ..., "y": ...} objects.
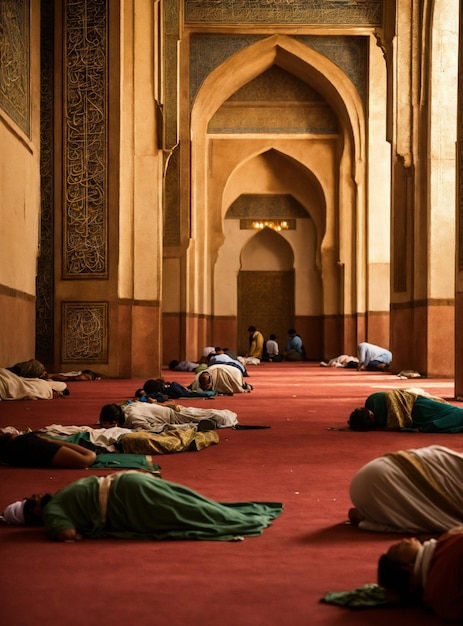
[{"x": 344, "y": 242}]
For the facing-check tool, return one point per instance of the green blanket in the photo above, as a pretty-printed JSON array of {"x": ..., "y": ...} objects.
[
  {"x": 368, "y": 596},
  {"x": 116, "y": 461}
]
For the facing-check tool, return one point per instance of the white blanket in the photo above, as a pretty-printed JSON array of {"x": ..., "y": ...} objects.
[
  {"x": 14, "y": 387},
  {"x": 103, "y": 437}
]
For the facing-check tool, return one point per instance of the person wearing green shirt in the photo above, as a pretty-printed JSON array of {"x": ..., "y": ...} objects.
[{"x": 138, "y": 505}]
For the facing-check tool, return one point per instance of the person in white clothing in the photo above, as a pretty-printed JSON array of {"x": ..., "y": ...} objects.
[
  {"x": 373, "y": 358},
  {"x": 155, "y": 417},
  {"x": 272, "y": 350},
  {"x": 416, "y": 491},
  {"x": 221, "y": 378}
]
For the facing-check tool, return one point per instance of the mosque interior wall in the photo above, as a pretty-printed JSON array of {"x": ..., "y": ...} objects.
[{"x": 277, "y": 120}]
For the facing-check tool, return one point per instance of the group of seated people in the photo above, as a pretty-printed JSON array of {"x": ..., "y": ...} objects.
[{"x": 261, "y": 350}]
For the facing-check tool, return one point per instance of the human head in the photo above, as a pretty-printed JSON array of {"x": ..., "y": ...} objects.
[
  {"x": 173, "y": 364},
  {"x": 252, "y": 329},
  {"x": 361, "y": 419},
  {"x": 92, "y": 375},
  {"x": 292, "y": 332},
  {"x": 27, "y": 512},
  {"x": 273, "y": 337},
  {"x": 205, "y": 381},
  {"x": 395, "y": 570},
  {"x": 6, "y": 436},
  {"x": 33, "y": 509},
  {"x": 154, "y": 385},
  {"x": 111, "y": 415},
  {"x": 14, "y": 513},
  {"x": 32, "y": 369}
]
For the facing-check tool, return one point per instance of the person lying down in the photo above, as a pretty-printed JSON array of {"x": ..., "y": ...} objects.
[
  {"x": 157, "y": 417},
  {"x": 142, "y": 442},
  {"x": 136, "y": 505},
  {"x": 410, "y": 409}
]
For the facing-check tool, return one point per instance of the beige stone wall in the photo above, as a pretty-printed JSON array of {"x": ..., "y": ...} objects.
[
  {"x": 122, "y": 304},
  {"x": 19, "y": 219},
  {"x": 378, "y": 187},
  {"x": 379, "y": 197},
  {"x": 422, "y": 83}
]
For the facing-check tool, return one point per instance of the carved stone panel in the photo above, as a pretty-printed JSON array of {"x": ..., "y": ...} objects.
[
  {"x": 15, "y": 97},
  {"x": 341, "y": 12},
  {"x": 84, "y": 332},
  {"x": 85, "y": 160},
  {"x": 44, "y": 331}
]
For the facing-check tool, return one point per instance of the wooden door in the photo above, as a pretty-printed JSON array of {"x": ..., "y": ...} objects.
[{"x": 266, "y": 301}]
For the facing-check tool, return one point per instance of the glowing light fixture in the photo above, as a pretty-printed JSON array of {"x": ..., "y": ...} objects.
[
  {"x": 272, "y": 224},
  {"x": 261, "y": 223}
]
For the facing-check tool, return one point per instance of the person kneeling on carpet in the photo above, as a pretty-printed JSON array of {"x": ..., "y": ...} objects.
[
  {"x": 416, "y": 491},
  {"x": 138, "y": 505},
  {"x": 407, "y": 410}
]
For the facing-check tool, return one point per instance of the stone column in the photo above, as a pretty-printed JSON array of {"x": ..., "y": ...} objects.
[{"x": 459, "y": 230}]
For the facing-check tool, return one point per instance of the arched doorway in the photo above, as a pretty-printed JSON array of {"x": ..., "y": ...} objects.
[
  {"x": 265, "y": 287},
  {"x": 318, "y": 160}
]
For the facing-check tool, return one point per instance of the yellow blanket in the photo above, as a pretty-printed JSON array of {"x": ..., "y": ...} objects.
[
  {"x": 400, "y": 404},
  {"x": 167, "y": 442}
]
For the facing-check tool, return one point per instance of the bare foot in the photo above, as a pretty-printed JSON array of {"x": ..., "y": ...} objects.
[{"x": 355, "y": 517}]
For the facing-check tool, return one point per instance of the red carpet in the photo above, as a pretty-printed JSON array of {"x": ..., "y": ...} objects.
[{"x": 274, "y": 579}]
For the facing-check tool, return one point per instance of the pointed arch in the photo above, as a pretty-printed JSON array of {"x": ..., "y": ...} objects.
[
  {"x": 297, "y": 58},
  {"x": 305, "y": 186},
  {"x": 337, "y": 172},
  {"x": 267, "y": 250}
]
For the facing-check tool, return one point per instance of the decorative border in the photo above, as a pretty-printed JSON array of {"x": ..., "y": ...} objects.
[
  {"x": 85, "y": 141},
  {"x": 44, "y": 326},
  {"x": 15, "y": 90},
  {"x": 307, "y": 12},
  {"x": 208, "y": 51}
]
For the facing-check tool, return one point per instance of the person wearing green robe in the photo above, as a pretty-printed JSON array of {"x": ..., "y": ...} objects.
[
  {"x": 407, "y": 410},
  {"x": 138, "y": 505}
]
